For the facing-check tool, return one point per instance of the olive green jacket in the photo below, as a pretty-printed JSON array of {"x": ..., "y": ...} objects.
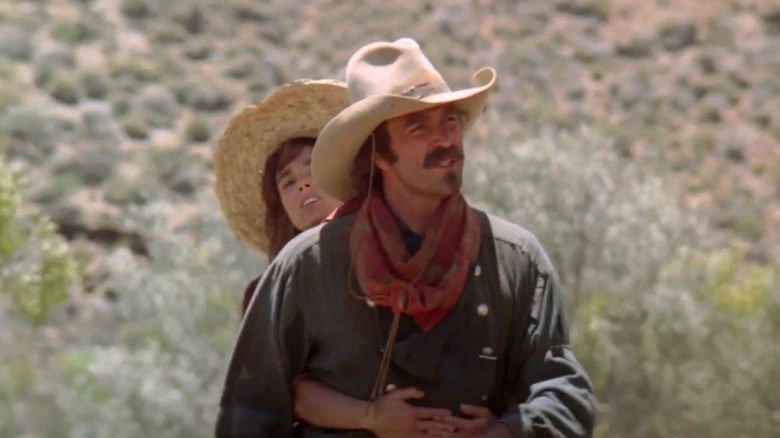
[{"x": 503, "y": 346}]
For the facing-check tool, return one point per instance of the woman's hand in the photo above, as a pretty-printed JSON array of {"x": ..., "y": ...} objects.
[
  {"x": 391, "y": 416},
  {"x": 475, "y": 420}
]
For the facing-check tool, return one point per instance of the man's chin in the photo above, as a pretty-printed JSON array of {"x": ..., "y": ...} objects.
[{"x": 453, "y": 181}]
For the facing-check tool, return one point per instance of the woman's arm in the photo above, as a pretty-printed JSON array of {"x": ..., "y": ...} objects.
[
  {"x": 321, "y": 406},
  {"x": 389, "y": 416}
]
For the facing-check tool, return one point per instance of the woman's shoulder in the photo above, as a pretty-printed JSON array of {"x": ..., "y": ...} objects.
[
  {"x": 249, "y": 292},
  {"x": 332, "y": 234}
]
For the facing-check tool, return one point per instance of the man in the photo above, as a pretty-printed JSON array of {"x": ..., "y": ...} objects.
[{"x": 407, "y": 286}]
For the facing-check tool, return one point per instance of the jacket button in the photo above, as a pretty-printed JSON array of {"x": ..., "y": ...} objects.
[
  {"x": 483, "y": 309},
  {"x": 477, "y": 270},
  {"x": 487, "y": 351}
]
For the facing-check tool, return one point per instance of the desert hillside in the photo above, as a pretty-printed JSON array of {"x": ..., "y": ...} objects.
[
  {"x": 638, "y": 139},
  {"x": 107, "y": 104}
]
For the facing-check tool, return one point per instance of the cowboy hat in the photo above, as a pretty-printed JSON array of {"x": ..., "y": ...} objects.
[
  {"x": 299, "y": 109},
  {"x": 385, "y": 80}
]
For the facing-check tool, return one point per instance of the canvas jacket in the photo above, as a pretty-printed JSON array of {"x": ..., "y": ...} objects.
[{"x": 505, "y": 345}]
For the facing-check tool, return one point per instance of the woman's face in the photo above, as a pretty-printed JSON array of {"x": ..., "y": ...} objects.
[{"x": 305, "y": 205}]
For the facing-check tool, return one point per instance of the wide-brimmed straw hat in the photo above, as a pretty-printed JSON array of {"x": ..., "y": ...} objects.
[
  {"x": 385, "y": 80},
  {"x": 299, "y": 109}
]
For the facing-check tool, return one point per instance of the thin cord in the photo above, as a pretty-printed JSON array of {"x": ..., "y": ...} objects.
[
  {"x": 352, "y": 293},
  {"x": 378, "y": 388}
]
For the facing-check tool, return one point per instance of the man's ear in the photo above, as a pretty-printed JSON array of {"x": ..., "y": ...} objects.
[{"x": 381, "y": 163}]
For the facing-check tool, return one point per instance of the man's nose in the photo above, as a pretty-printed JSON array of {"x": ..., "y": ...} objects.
[
  {"x": 305, "y": 185},
  {"x": 445, "y": 137}
]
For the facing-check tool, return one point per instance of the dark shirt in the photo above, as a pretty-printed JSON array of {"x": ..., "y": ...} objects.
[
  {"x": 503, "y": 346},
  {"x": 412, "y": 240}
]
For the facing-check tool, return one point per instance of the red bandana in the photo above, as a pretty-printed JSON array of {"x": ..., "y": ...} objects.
[{"x": 434, "y": 278}]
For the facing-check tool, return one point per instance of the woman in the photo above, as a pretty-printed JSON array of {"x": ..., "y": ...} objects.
[
  {"x": 264, "y": 187},
  {"x": 262, "y": 166}
]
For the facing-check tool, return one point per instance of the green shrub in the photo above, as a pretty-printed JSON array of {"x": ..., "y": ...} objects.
[
  {"x": 33, "y": 133},
  {"x": 99, "y": 126},
  {"x": 198, "y": 51},
  {"x": 165, "y": 33},
  {"x": 669, "y": 332},
  {"x": 152, "y": 363},
  {"x": 14, "y": 42},
  {"x": 56, "y": 188},
  {"x": 121, "y": 190},
  {"x": 210, "y": 98},
  {"x": 135, "y": 72},
  {"x": 685, "y": 347},
  {"x": 599, "y": 217},
  {"x": 72, "y": 33},
  {"x": 157, "y": 105},
  {"x": 241, "y": 67},
  {"x": 96, "y": 85},
  {"x": 51, "y": 59},
  {"x": 120, "y": 106},
  {"x": 176, "y": 169},
  {"x": 184, "y": 90},
  {"x": 36, "y": 272},
  {"x": 10, "y": 97},
  {"x": 92, "y": 165},
  {"x": 198, "y": 130},
  {"x": 136, "y": 127},
  {"x": 65, "y": 88},
  {"x": 136, "y": 9},
  {"x": 189, "y": 16}
]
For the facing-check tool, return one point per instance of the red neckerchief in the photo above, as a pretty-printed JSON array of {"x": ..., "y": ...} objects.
[{"x": 433, "y": 278}]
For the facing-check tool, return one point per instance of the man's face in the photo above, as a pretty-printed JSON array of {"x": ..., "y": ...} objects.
[{"x": 428, "y": 145}]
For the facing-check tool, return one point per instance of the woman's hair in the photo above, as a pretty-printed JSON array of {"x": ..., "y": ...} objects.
[
  {"x": 278, "y": 228},
  {"x": 361, "y": 167}
]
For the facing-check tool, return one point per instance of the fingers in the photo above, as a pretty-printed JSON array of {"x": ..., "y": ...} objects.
[
  {"x": 461, "y": 423},
  {"x": 475, "y": 411},
  {"x": 435, "y": 427},
  {"x": 443, "y": 433},
  {"x": 405, "y": 393},
  {"x": 436, "y": 414}
]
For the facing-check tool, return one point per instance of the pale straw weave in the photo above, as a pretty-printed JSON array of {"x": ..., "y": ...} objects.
[{"x": 299, "y": 109}]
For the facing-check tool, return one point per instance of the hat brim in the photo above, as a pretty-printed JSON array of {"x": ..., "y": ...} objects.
[
  {"x": 341, "y": 139},
  {"x": 299, "y": 109}
]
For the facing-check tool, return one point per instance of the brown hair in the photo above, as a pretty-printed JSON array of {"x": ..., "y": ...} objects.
[
  {"x": 361, "y": 168},
  {"x": 278, "y": 228}
]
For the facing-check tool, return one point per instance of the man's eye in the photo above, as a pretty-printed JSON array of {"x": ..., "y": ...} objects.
[
  {"x": 286, "y": 183},
  {"x": 453, "y": 118},
  {"x": 416, "y": 128}
]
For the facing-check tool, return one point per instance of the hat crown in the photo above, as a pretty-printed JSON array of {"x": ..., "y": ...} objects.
[{"x": 397, "y": 68}]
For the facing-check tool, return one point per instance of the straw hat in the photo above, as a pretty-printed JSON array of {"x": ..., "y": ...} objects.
[
  {"x": 299, "y": 109},
  {"x": 385, "y": 80}
]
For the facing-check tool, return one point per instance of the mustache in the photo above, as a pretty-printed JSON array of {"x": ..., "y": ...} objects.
[{"x": 439, "y": 154}]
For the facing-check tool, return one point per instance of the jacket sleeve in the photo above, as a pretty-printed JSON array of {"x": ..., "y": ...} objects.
[
  {"x": 272, "y": 346},
  {"x": 549, "y": 392}
]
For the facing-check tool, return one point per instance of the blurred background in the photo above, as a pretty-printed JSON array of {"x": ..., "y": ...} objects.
[{"x": 639, "y": 140}]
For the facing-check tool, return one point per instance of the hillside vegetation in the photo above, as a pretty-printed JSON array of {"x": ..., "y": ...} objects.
[{"x": 640, "y": 140}]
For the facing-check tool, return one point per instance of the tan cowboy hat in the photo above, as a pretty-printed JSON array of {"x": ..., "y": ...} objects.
[
  {"x": 299, "y": 109},
  {"x": 385, "y": 80}
]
